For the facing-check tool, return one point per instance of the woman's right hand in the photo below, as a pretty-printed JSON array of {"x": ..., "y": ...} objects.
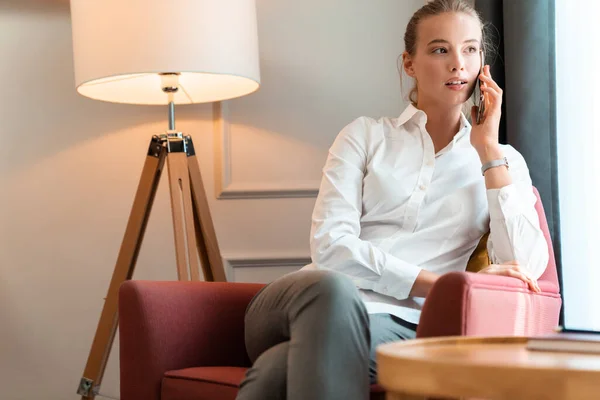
[{"x": 513, "y": 269}]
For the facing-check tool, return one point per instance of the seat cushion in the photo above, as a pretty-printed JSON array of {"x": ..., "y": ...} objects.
[{"x": 214, "y": 383}]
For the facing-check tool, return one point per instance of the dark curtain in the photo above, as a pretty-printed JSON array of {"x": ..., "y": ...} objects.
[{"x": 524, "y": 34}]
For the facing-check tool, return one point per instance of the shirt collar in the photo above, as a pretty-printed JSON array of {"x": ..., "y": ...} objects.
[
  {"x": 409, "y": 113},
  {"x": 465, "y": 127},
  {"x": 413, "y": 113}
]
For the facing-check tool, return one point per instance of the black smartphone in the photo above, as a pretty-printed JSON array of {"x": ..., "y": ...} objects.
[{"x": 480, "y": 100}]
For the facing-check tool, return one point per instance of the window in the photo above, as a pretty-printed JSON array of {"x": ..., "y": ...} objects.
[{"x": 578, "y": 143}]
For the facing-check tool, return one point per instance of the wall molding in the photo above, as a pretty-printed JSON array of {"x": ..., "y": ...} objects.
[
  {"x": 226, "y": 189},
  {"x": 265, "y": 261},
  {"x": 233, "y": 263}
]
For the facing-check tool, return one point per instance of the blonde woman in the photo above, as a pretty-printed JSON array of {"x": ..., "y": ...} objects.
[{"x": 402, "y": 201}]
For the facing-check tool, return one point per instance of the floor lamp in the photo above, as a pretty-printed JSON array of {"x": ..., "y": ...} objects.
[{"x": 163, "y": 53}]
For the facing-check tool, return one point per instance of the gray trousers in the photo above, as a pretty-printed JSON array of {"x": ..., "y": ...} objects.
[{"x": 309, "y": 336}]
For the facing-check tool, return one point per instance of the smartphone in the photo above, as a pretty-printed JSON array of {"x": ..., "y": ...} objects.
[{"x": 480, "y": 100}]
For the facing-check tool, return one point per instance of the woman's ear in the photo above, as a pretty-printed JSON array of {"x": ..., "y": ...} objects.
[{"x": 408, "y": 64}]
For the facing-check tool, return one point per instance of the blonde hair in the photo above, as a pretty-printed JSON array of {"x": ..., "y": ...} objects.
[{"x": 433, "y": 8}]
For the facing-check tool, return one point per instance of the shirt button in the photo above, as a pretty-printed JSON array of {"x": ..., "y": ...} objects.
[
  {"x": 504, "y": 196},
  {"x": 422, "y": 187}
]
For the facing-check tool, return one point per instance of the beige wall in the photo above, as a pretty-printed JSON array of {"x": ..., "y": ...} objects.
[{"x": 69, "y": 168}]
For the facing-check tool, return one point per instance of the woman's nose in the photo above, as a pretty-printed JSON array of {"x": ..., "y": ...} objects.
[{"x": 457, "y": 63}]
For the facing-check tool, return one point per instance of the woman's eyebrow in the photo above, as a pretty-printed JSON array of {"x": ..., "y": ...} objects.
[{"x": 447, "y": 42}]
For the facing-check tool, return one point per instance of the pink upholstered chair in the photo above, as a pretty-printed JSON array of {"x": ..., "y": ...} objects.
[{"x": 185, "y": 340}]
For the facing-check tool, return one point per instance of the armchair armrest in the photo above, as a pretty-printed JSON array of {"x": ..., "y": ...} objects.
[
  {"x": 167, "y": 325},
  {"x": 471, "y": 304}
]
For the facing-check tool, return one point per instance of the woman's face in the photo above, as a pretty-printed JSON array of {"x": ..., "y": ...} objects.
[{"x": 447, "y": 49}]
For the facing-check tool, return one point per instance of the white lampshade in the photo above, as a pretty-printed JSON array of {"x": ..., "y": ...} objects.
[{"x": 120, "y": 47}]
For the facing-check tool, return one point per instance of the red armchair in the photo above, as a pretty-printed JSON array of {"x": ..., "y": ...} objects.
[{"x": 185, "y": 340}]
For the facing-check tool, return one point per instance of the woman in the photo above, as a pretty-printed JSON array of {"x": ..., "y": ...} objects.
[{"x": 402, "y": 202}]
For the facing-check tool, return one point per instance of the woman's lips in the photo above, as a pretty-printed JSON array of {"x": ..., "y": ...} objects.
[{"x": 457, "y": 87}]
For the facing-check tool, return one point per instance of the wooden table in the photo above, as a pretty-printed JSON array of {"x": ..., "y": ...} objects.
[{"x": 490, "y": 368}]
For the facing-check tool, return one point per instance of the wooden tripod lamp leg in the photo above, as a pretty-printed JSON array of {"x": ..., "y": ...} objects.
[
  {"x": 183, "y": 218},
  {"x": 208, "y": 247},
  {"x": 126, "y": 260}
]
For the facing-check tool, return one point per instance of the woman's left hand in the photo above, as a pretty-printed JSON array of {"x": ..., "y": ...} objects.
[{"x": 484, "y": 136}]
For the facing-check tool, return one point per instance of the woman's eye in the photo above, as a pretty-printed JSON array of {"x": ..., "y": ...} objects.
[
  {"x": 472, "y": 49},
  {"x": 441, "y": 48}
]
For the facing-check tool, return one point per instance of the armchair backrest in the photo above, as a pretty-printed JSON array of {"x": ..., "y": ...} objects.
[{"x": 550, "y": 274}]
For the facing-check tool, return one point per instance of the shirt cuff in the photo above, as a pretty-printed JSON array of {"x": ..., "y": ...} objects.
[
  {"x": 397, "y": 279},
  {"x": 504, "y": 203}
]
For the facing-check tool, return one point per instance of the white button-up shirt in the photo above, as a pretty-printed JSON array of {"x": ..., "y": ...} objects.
[{"x": 388, "y": 206}]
